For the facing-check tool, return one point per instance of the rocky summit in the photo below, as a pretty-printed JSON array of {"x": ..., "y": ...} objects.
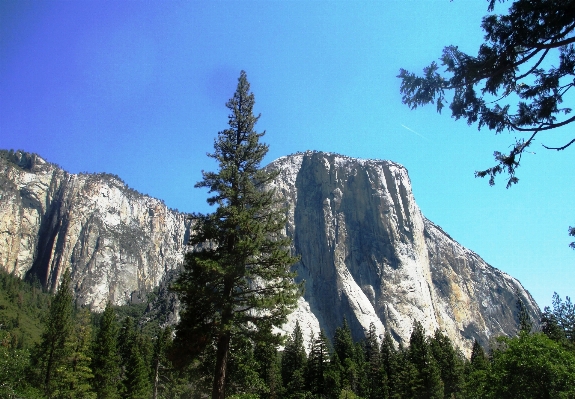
[{"x": 366, "y": 251}]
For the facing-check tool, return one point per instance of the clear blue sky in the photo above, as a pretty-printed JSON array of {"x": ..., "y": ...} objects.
[{"x": 137, "y": 88}]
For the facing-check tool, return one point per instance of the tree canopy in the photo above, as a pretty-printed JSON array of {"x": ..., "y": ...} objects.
[
  {"x": 528, "y": 365},
  {"x": 517, "y": 82}
]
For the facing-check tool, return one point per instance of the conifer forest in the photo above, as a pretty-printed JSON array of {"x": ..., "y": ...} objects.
[{"x": 49, "y": 348}]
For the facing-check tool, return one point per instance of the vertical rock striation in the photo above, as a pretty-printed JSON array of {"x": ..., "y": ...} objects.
[
  {"x": 367, "y": 252},
  {"x": 118, "y": 243}
]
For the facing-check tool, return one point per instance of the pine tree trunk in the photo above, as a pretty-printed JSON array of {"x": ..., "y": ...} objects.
[{"x": 221, "y": 365}]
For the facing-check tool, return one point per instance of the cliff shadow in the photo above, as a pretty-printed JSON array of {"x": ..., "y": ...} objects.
[{"x": 316, "y": 265}]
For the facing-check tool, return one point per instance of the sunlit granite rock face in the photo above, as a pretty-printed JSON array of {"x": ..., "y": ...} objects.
[
  {"x": 117, "y": 243},
  {"x": 367, "y": 252}
]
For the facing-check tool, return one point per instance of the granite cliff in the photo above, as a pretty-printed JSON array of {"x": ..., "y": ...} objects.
[
  {"x": 118, "y": 243},
  {"x": 367, "y": 252}
]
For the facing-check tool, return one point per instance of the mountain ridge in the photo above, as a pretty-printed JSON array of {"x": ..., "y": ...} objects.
[{"x": 367, "y": 252}]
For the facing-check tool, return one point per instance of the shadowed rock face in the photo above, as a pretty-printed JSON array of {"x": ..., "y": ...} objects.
[
  {"x": 118, "y": 243},
  {"x": 367, "y": 253}
]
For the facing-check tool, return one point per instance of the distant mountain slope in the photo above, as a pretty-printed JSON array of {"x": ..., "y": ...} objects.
[{"x": 367, "y": 252}]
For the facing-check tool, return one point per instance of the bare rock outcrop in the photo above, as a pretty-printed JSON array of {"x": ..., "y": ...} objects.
[
  {"x": 367, "y": 252},
  {"x": 118, "y": 243}
]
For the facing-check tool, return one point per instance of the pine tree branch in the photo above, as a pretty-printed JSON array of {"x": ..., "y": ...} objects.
[{"x": 559, "y": 148}]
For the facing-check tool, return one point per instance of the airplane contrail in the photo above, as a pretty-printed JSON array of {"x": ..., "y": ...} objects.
[{"x": 413, "y": 131}]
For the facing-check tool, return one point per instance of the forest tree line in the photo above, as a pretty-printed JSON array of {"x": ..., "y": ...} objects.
[{"x": 51, "y": 348}]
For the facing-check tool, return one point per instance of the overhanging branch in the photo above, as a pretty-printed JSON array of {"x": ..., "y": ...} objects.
[
  {"x": 538, "y": 129},
  {"x": 559, "y": 148}
]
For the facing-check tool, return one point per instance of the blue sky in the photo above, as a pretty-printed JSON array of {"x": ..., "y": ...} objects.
[{"x": 138, "y": 89}]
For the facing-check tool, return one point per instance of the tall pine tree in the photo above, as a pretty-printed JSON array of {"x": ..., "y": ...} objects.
[
  {"x": 105, "y": 359},
  {"x": 237, "y": 279},
  {"x": 269, "y": 369},
  {"x": 559, "y": 323},
  {"x": 525, "y": 323},
  {"x": 54, "y": 351},
  {"x": 317, "y": 365},
  {"x": 343, "y": 342},
  {"x": 160, "y": 362},
  {"x": 375, "y": 373},
  {"x": 135, "y": 372},
  {"x": 350, "y": 356},
  {"x": 75, "y": 374},
  {"x": 477, "y": 372},
  {"x": 450, "y": 364},
  {"x": 428, "y": 383},
  {"x": 293, "y": 365},
  {"x": 137, "y": 380}
]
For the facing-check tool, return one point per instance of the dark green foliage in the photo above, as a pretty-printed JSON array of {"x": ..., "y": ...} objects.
[
  {"x": 526, "y": 366},
  {"x": 134, "y": 349},
  {"x": 22, "y": 305},
  {"x": 243, "y": 377},
  {"x": 237, "y": 280},
  {"x": 375, "y": 375},
  {"x": 528, "y": 58},
  {"x": 525, "y": 323},
  {"x": 343, "y": 342},
  {"x": 388, "y": 354},
  {"x": 476, "y": 373},
  {"x": 351, "y": 357},
  {"x": 531, "y": 366},
  {"x": 358, "y": 377},
  {"x": 345, "y": 350},
  {"x": 61, "y": 362},
  {"x": 134, "y": 311},
  {"x": 550, "y": 326},
  {"x": 317, "y": 365},
  {"x": 293, "y": 363},
  {"x": 450, "y": 364},
  {"x": 105, "y": 358},
  {"x": 75, "y": 375},
  {"x": 427, "y": 382},
  {"x": 559, "y": 323},
  {"x": 478, "y": 360},
  {"x": 23, "y": 160},
  {"x": 332, "y": 377},
  {"x": 269, "y": 370},
  {"x": 389, "y": 359},
  {"x": 160, "y": 362},
  {"x": 52, "y": 353},
  {"x": 371, "y": 345},
  {"x": 137, "y": 377},
  {"x": 405, "y": 383},
  {"x": 23, "y": 311},
  {"x": 126, "y": 340},
  {"x": 14, "y": 365}
]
